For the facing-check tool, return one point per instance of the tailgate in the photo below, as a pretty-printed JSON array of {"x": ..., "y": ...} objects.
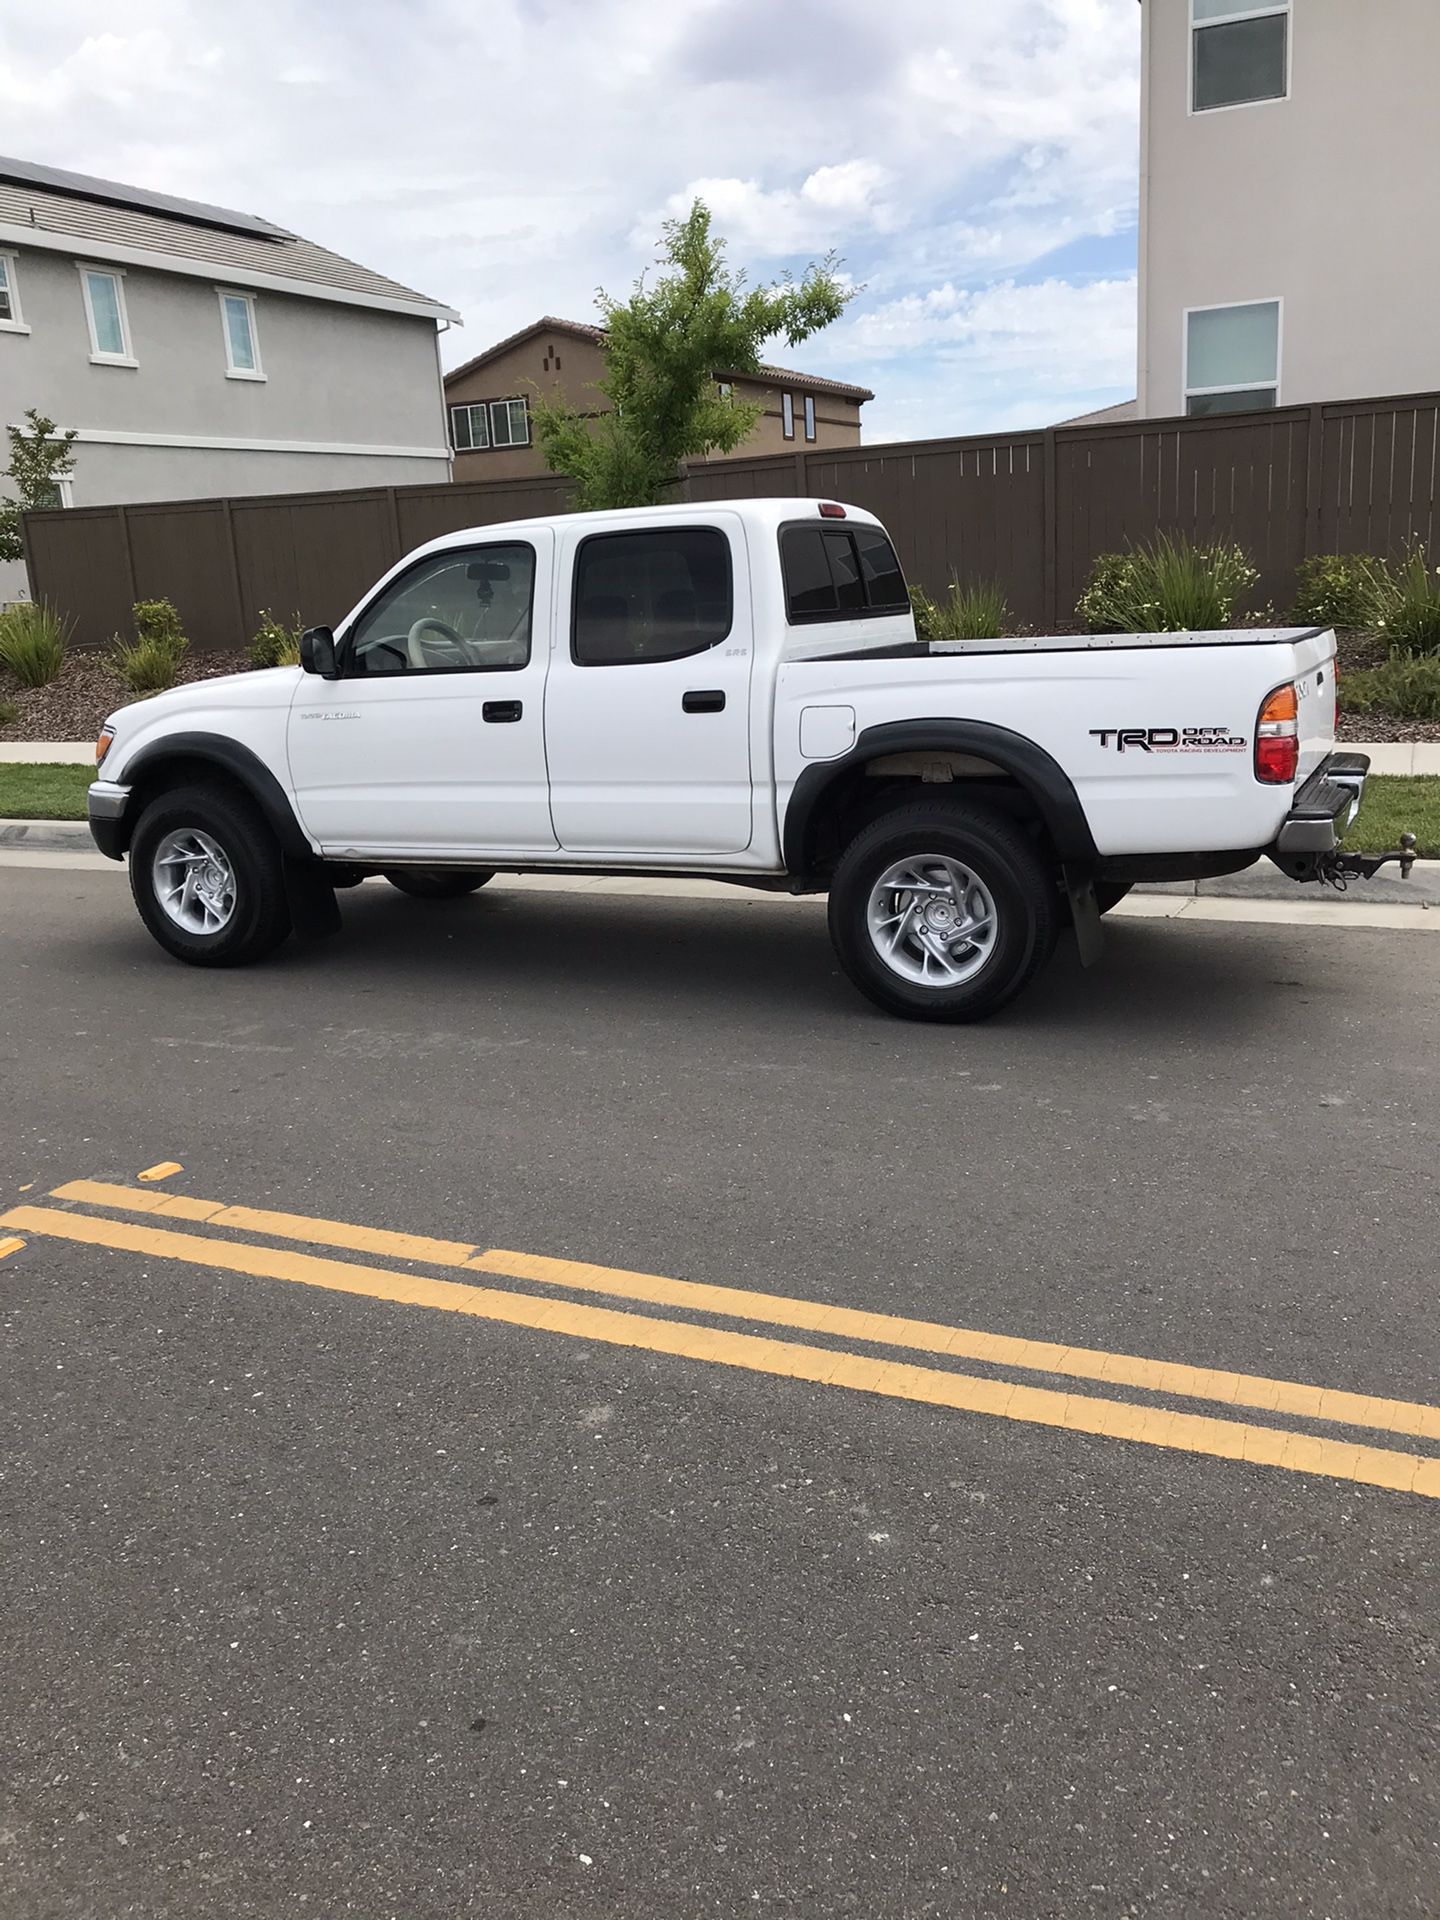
[{"x": 1316, "y": 685}]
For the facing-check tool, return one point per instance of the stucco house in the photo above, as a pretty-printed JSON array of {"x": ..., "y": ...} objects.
[
  {"x": 1289, "y": 173},
  {"x": 198, "y": 352},
  {"x": 489, "y": 400}
]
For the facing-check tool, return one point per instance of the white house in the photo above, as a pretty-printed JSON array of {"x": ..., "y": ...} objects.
[{"x": 200, "y": 352}]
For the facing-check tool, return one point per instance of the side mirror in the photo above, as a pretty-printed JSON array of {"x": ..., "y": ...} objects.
[{"x": 317, "y": 652}]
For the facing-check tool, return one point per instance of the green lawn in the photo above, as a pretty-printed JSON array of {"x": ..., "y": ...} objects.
[
  {"x": 45, "y": 792},
  {"x": 1392, "y": 806}
]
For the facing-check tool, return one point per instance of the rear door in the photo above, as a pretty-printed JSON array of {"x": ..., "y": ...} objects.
[
  {"x": 647, "y": 707},
  {"x": 432, "y": 740}
]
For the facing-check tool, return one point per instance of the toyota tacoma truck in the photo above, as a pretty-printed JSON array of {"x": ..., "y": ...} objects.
[{"x": 734, "y": 691}]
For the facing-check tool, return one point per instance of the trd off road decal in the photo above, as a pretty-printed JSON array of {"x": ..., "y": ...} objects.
[{"x": 1170, "y": 739}]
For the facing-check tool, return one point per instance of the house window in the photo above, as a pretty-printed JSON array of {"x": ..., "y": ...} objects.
[
  {"x": 11, "y": 318},
  {"x": 726, "y": 389},
  {"x": 490, "y": 423},
  {"x": 509, "y": 423},
  {"x": 1232, "y": 358},
  {"x": 1239, "y": 52},
  {"x": 242, "y": 351},
  {"x": 809, "y": 416},
  {"x": 470, "y": 428},
  {"x": 787, "y": 414},
  {"x": 105, "y": 312}
]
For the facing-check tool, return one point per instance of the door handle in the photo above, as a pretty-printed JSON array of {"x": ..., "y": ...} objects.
[
  {"x": 704, "y": 700},
  {"x": 498, "y": 711}
]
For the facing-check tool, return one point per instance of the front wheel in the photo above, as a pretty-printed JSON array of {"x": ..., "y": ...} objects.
[
  {"x": 940, "y": 911},
  {"x": 438, "y": 883},
  {"x": 207, "y": 877}
]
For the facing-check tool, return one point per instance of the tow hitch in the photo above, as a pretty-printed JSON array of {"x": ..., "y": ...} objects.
[{"x": 1339, "y": 869}]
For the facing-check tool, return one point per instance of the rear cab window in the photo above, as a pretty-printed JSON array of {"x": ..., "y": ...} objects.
[{"x": 840, "y": 572}]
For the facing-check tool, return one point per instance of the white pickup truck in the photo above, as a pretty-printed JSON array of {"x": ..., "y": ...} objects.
[{"x": 736, "y": 691}]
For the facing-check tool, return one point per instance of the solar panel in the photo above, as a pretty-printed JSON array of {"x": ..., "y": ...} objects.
[{"x": 110, "y": 193}]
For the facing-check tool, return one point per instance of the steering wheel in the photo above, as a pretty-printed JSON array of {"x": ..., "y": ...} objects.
[{"x": 415, "y": 640}]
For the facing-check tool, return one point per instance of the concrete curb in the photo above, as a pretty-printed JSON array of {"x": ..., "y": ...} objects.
[
  {"x": 1260, "y": 882},
  {"x": 46, "y": 836}
]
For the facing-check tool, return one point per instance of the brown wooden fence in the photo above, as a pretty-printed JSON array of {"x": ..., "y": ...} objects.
[{"x": 1030, "y": 510}]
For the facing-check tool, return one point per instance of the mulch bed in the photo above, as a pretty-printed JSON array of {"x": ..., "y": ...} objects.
[{"x": 75, "y": 705}]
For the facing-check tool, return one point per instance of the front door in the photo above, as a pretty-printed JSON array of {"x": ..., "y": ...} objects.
[
  {"x": 647, "y": 708},
  {"x": 432, "y": 740}
]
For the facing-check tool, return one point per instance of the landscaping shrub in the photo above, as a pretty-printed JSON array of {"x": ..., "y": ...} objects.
[
  {"x": 1407, "y": 606},
  {"x": 1408, "y": 685},
  {"x": 158, "y": 620},
  {"x": 1169, "y": 586},
  {"x": 153, "y": 661},
  {"x": 146, "y": 666},
  {"x": 275, "y": 644},
  {"x": 976, "y": 611},
  {"x": 1337, "y": 590},
  {"x": 33, "y": 639}
]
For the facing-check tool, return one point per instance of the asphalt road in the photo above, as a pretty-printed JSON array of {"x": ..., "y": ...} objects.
[{"x": 313, "y": 1602}]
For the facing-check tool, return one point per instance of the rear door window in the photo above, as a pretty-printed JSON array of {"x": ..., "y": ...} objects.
[
  {"x": 840, "y": 573},
  {"x": 657, "y": 595}
]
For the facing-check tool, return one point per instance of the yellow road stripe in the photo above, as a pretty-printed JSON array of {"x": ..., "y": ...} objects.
[
  {"x": 11, "y": 1245},
  {"x": 283, "y": 1226},
  {"x": 1039, "y": 1406},
  {"x": 808, "y": 1316}
]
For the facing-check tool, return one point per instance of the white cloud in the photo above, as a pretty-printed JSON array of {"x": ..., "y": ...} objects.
[
  {"x": 828, "y": 208},
  {"x": 503, "y": 158}
]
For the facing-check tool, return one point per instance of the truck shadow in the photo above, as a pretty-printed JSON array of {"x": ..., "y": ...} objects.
[{"x": 756, "y": 959}]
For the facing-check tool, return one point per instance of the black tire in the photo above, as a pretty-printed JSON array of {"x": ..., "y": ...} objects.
[
  {"x": 1109, "y": 893},
  {"x": 260, "y": 918},
  {"x": 1000, "y": 855},
  {"x": 438, "y": 883}
]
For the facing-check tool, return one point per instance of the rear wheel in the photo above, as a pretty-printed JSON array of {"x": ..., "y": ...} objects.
[
  {"x": 207, "y": 877},
  {"x": 942, "y": 912},
  {"x": 438, "y": 883}
]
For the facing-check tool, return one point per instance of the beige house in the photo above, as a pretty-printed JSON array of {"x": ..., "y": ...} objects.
[
  {"x": 488, "y": 401},
  {"x": 1289, "y": 180}
]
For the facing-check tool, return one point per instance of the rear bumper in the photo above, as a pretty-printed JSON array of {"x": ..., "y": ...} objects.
[
  {"x": 1324, "y": 806},
  {"x": 105, "y": 804}
]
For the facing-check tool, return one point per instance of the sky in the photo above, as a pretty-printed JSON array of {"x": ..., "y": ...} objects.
[{"x": 973, "y": 163}]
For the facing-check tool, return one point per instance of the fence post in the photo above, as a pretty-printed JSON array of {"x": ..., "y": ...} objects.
[
  {"x": 1314, "y": 472},
  {"x": 129, "y": 551},
  {"x": 234, "y": 551},
  {"x": 802, "y": 475},
  {"x": 1051, "y": 509},
  {"x": 393, "y": 498}
]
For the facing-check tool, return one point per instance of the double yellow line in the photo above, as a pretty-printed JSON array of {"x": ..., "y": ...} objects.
[{"x": 1227, "y": 1439}]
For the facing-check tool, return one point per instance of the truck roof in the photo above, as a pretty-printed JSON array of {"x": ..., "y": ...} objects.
[{"x": 765, "y": 515}]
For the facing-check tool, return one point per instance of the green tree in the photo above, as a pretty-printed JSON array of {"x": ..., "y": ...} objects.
[
  {"x": 40, "y": 458},
  {"x": 664, "y": 347}
]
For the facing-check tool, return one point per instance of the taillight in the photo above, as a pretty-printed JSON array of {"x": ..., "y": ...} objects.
[{"x": 1277, "y": 737}]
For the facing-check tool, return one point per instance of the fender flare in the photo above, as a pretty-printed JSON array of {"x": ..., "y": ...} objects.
[
  {"x": 1038, "y": 772},
  {"x": 242, "y": 764}
]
